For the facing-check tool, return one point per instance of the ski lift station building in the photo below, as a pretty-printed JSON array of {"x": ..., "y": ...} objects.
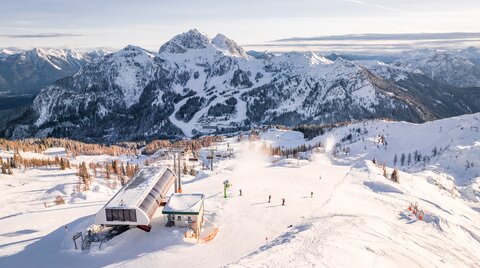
[{"x": 136, "y": 202}]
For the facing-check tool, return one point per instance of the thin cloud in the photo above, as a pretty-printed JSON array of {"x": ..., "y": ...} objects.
[
  {"x": 373, "y": 42},
  {"x": 386, "y": 37},
  {"x": 375, "y": 5},
  {"x": 42, "y": 35}
]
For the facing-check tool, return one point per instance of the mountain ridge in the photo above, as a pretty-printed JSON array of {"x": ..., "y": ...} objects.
[
  {"x": 31, "y": 70},
  {"x": 196, "y": 85}
]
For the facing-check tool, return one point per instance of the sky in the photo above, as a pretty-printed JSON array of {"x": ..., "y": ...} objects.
[{"x": 255, "y": 24}]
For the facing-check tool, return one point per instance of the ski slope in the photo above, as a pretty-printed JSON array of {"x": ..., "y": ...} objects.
[{"x": 355, "y": 218}]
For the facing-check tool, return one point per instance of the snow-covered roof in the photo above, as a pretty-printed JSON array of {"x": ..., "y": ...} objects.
[
  {"x": 184, "y": 204},
  {"x": 135, "y": 191}
]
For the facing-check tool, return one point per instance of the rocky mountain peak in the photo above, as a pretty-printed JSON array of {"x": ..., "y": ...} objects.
[
  {"x": 228, "y": 46},
  {"x": 193, "y": 39}
]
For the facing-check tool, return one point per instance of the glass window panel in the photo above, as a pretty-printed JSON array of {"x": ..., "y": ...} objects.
[
  {"x": 133, "y": 215},
  {"x": 120, "y": 215},
  {"x": 115, "y": 214},
  {"x": 126, "y": 215},
  {"x": 108, "y": 213}
]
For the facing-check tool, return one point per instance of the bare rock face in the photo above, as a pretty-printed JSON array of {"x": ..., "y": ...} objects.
[{"x": 192, "y": 39}]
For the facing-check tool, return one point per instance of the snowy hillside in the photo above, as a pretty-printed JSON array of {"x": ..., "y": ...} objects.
[
  {"x": 196, "y": 85},
  {"x": 340, "y": 210}
]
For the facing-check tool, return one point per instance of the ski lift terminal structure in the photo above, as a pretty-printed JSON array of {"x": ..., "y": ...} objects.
[{"x": 136, "y": 202}]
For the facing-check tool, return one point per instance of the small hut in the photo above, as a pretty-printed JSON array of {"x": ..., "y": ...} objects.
[{"x": 185, "y": 210}]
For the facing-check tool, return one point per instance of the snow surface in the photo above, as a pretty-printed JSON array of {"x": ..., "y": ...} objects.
[
  {"x": 188, "y": 203},
  {"x": 355, "y": 217}
]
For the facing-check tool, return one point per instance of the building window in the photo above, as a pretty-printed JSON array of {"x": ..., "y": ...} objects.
[
  {"x": 115, "y": 214},
  {"x": 179, "y": 218},
  {"x": 189, "y": 218},
  {"x": 121, "y": 215},
  {"x": 109, "y": 214}
]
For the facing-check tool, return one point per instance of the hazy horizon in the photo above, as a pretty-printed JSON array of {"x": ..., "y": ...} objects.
[{"x": 252, "y": 24}]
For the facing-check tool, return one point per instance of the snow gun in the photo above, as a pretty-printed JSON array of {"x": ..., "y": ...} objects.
[{"x": 226, "y": 185}]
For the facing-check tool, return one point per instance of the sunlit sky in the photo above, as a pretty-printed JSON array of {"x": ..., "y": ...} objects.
[{"x": 150, "y": 23}]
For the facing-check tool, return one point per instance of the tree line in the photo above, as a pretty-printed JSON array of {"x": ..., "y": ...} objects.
[
  {"x": 113, "y": 172},
  {"x": 189, "y": 145},
  {"x": 72, "y": 147},
  {"x": 417, "y": 157},
  {"x": 17, "y": 161}
]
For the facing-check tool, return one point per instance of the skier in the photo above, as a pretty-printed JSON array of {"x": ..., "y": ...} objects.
[
  {"x": 240, "y": 192},
  {"x": 269, "y": 198},
  {"x": 283, "y": 201},
  {"x": 311, "y": 194}
]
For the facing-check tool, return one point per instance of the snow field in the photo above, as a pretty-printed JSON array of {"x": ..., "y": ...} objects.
[{"x": 356, "y": 217}]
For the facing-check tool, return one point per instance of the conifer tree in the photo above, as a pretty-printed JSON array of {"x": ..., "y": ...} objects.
[
  {"x": 107, "y": 171},
  {"x": 185, "y": 169},
  {"x": 84, "y": 176},
  {"x": 9, "y": 169},
  {"x": 62, "y": 164},
  {"x": 395, "y": 177},
  {"x": 4, "y": 168},
  {"x": 13, "y": 163}
]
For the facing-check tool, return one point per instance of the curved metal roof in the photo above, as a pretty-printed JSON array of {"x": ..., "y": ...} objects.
[{"x": 136, "y": 190}]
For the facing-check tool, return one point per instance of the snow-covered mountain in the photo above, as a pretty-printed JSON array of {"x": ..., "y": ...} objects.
[
  {"x": 4, "y": 53},
  {"x": 457, "y": 68},
  {"x": 198, "y": 85},
  {"x": 29, "y": 71}
]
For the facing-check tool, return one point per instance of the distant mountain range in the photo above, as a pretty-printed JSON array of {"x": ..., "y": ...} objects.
[
  {"x": 27, "y": 72},
  {"x": 196, "y": 85}
]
